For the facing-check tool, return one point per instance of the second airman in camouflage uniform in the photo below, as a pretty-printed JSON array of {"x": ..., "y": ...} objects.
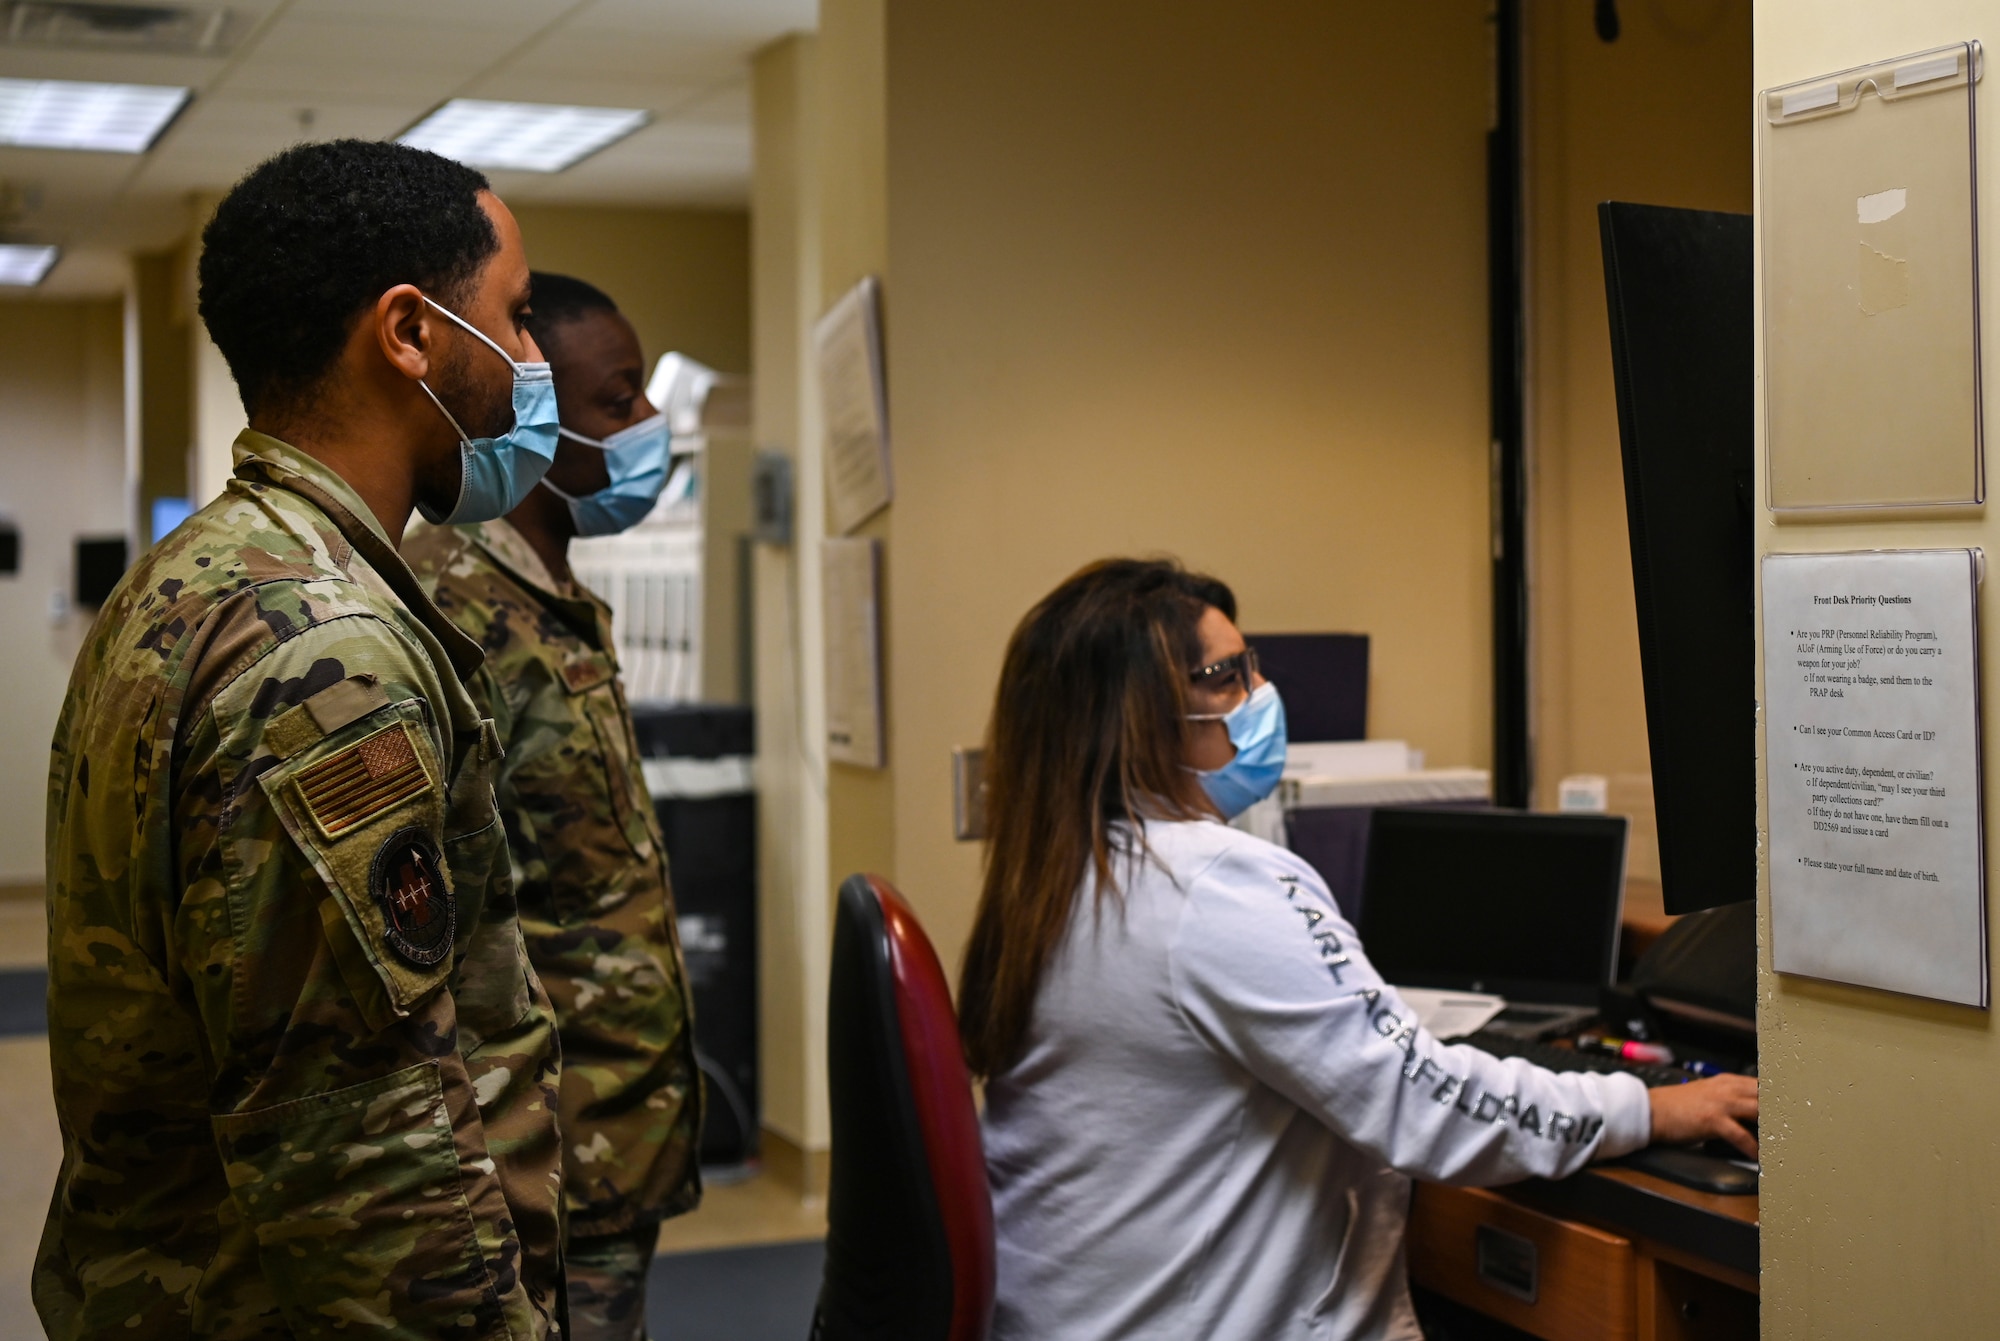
[{"x": 589, "y": 861}]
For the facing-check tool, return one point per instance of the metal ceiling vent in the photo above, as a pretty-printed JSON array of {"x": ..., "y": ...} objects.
[{"x": 179, "y": 30}]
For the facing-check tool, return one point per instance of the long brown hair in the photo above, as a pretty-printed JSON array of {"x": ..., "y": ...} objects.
[{"x": 1089, "y": 730}]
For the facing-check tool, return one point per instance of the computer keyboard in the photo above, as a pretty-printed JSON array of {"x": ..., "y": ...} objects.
[{"x": 1553, "y": 1058}]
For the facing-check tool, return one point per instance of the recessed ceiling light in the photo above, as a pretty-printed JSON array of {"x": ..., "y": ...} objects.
[
  {"x": 526, "y": 136},
  {"x": 24, "y": 266},
  {"x": 67, "y": 114}
]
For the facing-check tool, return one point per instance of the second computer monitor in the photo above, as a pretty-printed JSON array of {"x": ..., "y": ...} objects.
[{"x": 1522, "y": 906}]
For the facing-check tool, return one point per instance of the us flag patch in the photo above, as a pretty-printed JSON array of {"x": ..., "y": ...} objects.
[{"x": 363, "y": 780}]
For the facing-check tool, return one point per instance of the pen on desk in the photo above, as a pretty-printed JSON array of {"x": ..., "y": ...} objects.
[{"x": 1646, "y": 1054}]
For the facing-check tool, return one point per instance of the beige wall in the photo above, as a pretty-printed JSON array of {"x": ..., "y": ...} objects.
[
  {"x": 1186, "y": 279},
  {"x": 1656, "y": 117},
  {"x": 819, "y": 225},
  {"x": 166, "y": 382},
  {"x": 215, "y": 409},
  {"x": 682, "y": 276},
  {"x": 1880, "y": 1165},
  {"x": 63, "y": 441},
  {"x": 854, "y": 244},
  {"x": 792, "y": 880}
]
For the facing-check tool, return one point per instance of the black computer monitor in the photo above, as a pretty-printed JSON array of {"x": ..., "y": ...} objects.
[
  {"x": 1323, "y": 678},
  {"x": 1678, "y": 283},
  {"x": 1522, "y": 906}
]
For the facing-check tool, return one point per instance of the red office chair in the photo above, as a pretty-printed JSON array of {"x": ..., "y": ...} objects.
[{"x": 909, "y": 1245}]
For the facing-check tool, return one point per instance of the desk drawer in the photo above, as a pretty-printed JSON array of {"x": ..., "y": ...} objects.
[{"x": 1554, "y": 1278}]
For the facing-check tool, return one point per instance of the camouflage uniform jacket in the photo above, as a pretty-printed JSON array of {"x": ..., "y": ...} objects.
[
  {"x": 304, "y": 1072},
  {"x": 591, "y": 869}
]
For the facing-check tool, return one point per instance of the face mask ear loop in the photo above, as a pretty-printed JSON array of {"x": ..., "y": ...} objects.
[
  {"x": 464, "y": 453},
  {"x": 463, "y": 441},
  {"x": 570, "y": 501},
  {"x": 546, "y": 483},
  {"x": 578, "y": 437},
  {"x": 473, "y": 331}
]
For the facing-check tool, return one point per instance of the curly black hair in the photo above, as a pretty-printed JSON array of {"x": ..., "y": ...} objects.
[
  {"x": 310, "y": 238},
  {"x": 556, "y": 300}
]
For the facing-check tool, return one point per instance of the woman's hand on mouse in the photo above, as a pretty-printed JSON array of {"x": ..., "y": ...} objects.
[{"x": 1717, "y": 1107}]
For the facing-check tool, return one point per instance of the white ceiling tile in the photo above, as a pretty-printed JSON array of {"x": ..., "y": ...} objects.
[
  {"x": 82, "y": 272},
  {"x": 467, "y": 15},
  {"x": 726, "y": 105},
  {"x": 113, "y": 68},
  {"x": 65, "y": 169},
  {"x": 309, "y": 58},
  {"x": 612, "y": 69},
  {"x": 751, "y": 22},
  {"x": 213, "y": 157}
]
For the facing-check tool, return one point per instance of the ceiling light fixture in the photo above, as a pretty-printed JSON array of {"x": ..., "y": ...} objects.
[
  {"x": 524, "y": 136},
  {"x": 68, "y": 114},
  {"x": 24, "y": 266}
]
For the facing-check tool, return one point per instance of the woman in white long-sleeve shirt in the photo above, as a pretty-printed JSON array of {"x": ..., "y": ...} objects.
[{"x": 1203, "y": 1105}]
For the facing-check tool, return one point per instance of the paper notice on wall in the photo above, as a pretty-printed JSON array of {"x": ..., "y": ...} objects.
[
  {"x": 1872, "y": 760},
  {"x": 854, "y": 401},
  {"x": 850, "y": 577}
]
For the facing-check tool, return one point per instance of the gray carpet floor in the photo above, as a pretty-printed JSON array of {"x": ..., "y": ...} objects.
[
  {"x": 735, "y": 1294},
  {"x": 23, "y": 1002}
]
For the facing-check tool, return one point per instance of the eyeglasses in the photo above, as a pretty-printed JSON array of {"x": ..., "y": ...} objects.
[{"x": 1216, "y": 675}]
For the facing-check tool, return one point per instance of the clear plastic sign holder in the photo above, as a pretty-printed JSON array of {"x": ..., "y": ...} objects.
[{"x": 1869, "y": 222}]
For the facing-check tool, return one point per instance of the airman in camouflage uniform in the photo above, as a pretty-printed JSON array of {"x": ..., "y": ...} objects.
[
  {"x": 589, "y": 861},
  {"x": 305, "y": 1074},
  {"x": 271, "y": 844},
  {"x": 590, "y": 868}
]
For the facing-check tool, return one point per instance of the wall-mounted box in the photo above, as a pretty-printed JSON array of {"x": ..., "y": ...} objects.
[{"x": 100, "y": 562}]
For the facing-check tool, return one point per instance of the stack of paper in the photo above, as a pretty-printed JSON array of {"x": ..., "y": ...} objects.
[{"x": 1451, "y": 1014}]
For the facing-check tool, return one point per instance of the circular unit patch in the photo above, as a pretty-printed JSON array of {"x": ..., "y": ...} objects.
[{"x": 418, "y": 914}]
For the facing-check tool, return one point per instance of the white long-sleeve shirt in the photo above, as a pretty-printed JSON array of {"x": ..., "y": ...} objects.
[{"x": 1212, "y": 1129}]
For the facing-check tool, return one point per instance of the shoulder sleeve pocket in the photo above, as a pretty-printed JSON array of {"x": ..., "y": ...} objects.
[
  {"x": 365, "y": 804},
  {"x": 358, "y": 1205}
]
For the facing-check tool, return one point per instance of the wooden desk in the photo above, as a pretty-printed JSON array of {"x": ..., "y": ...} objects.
[
  {"x": 1612, "y": 1254},
  {"x": 1609, "y": 1255}
]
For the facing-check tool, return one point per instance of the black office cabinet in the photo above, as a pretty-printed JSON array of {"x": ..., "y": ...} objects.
[{"x": 699, "y": 772}]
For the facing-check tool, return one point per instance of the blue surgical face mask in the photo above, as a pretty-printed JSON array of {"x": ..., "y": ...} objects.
[
  {"x": 1256, "y": 728},
  {"x": 636, "y": 457},
  {"x": 495, "y": 474}
]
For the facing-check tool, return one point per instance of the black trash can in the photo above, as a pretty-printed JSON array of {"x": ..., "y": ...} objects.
[{"x": 697, "y": 758}]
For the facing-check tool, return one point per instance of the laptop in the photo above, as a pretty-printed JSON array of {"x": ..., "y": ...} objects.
[{"x": 1515, "y": 905}]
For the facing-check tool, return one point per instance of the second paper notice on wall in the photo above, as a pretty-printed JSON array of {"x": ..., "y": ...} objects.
[{"x": 1871, "y": 710}]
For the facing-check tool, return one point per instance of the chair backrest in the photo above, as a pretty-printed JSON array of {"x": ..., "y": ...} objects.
[{"x": 909, "y": 1248}]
